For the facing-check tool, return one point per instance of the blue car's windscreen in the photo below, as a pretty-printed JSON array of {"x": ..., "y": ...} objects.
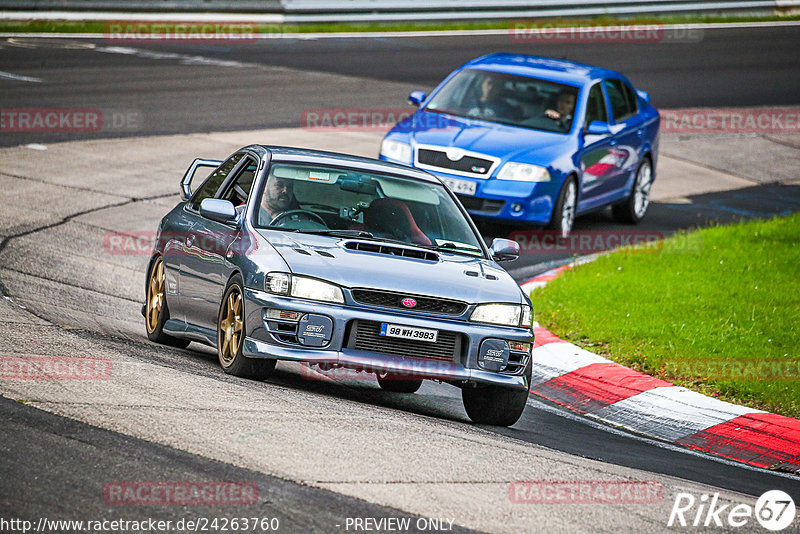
[
  {"x": 508, "y": 99},
  {"x": 309, "y": 198}
]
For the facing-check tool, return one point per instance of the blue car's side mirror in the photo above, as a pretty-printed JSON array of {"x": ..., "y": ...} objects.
[
  {"x": 644, "y": 95},
  {"x": 416, "y": 98},
  {"x": 598, "y": 128},
  {"x": 504, "y": 249},
  {"x": 218, "y": 210}
]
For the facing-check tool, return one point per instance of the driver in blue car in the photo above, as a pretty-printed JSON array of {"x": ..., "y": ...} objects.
[
  {"x": 565, "y": 108},
  {"x": 278, "y": 198}
]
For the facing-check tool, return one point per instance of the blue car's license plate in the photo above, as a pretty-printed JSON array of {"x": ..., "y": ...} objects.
[
  {"x": 464, "y": 187},
  {"x": 409, "y": 332}
]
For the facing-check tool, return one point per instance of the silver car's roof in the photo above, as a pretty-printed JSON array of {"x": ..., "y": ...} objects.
[{"x": 322, "y": 157}]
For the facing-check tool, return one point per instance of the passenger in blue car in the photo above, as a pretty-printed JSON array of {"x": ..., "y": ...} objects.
[{"x": 491, "y": 104}]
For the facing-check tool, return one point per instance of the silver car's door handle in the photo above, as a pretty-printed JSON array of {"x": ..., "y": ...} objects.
[{"x": 189, "y": 241}]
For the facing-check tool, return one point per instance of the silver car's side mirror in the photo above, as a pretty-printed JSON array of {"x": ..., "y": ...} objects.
[
  {"x": 218, "y": 210},
  {"x": 504, "y": 250},
  {"x": 198, "y": 168}
]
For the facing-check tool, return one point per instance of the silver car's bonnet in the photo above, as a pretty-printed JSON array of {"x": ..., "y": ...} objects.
[{"x": 452, "y": 276}]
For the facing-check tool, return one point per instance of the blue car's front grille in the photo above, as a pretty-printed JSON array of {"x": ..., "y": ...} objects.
[
  {"x": 484, "y": 205},
  {"x": 468, "y": 164},
  {"x": 388, "y": 299},
  {"x": 366, "y": 335}
]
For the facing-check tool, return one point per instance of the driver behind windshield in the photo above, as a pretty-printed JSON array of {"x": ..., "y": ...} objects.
[
  {"x": 565, "y": 108},
  {"x": 278, "y": 198}
]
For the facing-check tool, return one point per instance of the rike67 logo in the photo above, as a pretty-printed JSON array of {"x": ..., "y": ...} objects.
[{"x": 774, "y": 511}]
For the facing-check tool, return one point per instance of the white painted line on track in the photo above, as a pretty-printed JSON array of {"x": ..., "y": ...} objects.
[
  {"x": 556, "y": 359},
  {"x": 591, "y": 421},
  {"x": 166, "y": 17},
  {"x": 20, "y": 78},
  {"x": 671, "y": 413}
]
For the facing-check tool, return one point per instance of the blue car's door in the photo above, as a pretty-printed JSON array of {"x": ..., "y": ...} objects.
[
  {"x": 206, "y": 268},
  {"x": 598, "y": 155},
  {"x": 628, "y": 130}
]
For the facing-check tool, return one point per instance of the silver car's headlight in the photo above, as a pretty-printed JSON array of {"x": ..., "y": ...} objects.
[
  {"x": 303, "y": 288},
  {"x": 503, "y": 314},
  {"x": 522, "y": 172},
  {"x": 396, "y": 150}
]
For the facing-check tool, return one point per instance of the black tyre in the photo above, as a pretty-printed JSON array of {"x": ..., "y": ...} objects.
[
  {"x": 496, "y": 405},
  {"x": 633, "y": 210},
  {"x": 398, "y": 383},
  {"x": 156, "y": 311},
  {"x": 563, "y": 216},
  {"x": 230, "y": 336}
]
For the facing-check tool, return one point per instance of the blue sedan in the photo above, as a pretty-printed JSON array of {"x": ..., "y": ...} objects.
[
  {"x": 534, "y": 140},
  {"x": 335, "y": 260}
]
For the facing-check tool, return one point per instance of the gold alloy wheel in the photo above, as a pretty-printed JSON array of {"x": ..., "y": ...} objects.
[
  {"x": 155, "y": 295},
  {"x": 230, "y": 326}
]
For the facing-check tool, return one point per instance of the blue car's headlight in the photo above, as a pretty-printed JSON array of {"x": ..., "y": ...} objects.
[
  {"x": 303, "y": 287},
  {"x": 502, "y": 314},
  {"x": 522, "y": 172},
  {"x": 396, "y": 150}
]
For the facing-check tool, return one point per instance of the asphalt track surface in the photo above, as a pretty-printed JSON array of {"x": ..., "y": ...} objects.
[
  {"x": 274, "y": 81},
  {"x": 728, "y": 67}
]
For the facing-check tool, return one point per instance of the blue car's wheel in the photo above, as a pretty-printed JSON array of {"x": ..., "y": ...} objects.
[
  {"x": 155, "y": 309},
  {"x": 563, "y": 215},
  {"x": 632, "y": 211},
  {"x": 230, "y": 336}
]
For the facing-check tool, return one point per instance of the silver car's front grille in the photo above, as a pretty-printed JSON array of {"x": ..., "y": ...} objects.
[
  {"x": 365, "y": 335},
  {"x": 422, "y": 304}
]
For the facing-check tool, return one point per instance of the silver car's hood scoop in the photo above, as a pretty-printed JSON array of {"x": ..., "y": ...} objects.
[{"x": 373, "y": 264}]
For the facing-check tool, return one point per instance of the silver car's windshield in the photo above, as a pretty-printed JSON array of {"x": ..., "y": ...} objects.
[
  {"x": 508, "y": 99},
  {"x": 342, "y": 202}
]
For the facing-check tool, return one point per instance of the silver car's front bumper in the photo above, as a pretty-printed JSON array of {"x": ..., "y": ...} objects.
[{"x": 262, "y": 343}]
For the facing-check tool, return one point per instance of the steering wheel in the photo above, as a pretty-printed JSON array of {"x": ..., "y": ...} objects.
[{"x": 297, "y": 215}]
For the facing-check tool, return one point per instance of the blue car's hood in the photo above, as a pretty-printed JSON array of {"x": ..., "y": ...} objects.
[
  {"x": 506, "y": 142},
  {"x": 446, "y": 278}
]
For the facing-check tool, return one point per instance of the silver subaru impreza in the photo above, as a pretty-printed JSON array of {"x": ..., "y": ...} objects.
[{"x": 340, "y": 261}]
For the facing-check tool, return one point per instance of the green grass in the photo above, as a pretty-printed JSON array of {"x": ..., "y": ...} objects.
[
  {"x": 60, "y": 26},
  {"x": 721, "y": 295}
]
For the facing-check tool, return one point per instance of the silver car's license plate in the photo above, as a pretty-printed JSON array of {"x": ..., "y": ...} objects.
[
  {"x": 464, "y": 187},
  {"x": 409, "y": 332}
]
